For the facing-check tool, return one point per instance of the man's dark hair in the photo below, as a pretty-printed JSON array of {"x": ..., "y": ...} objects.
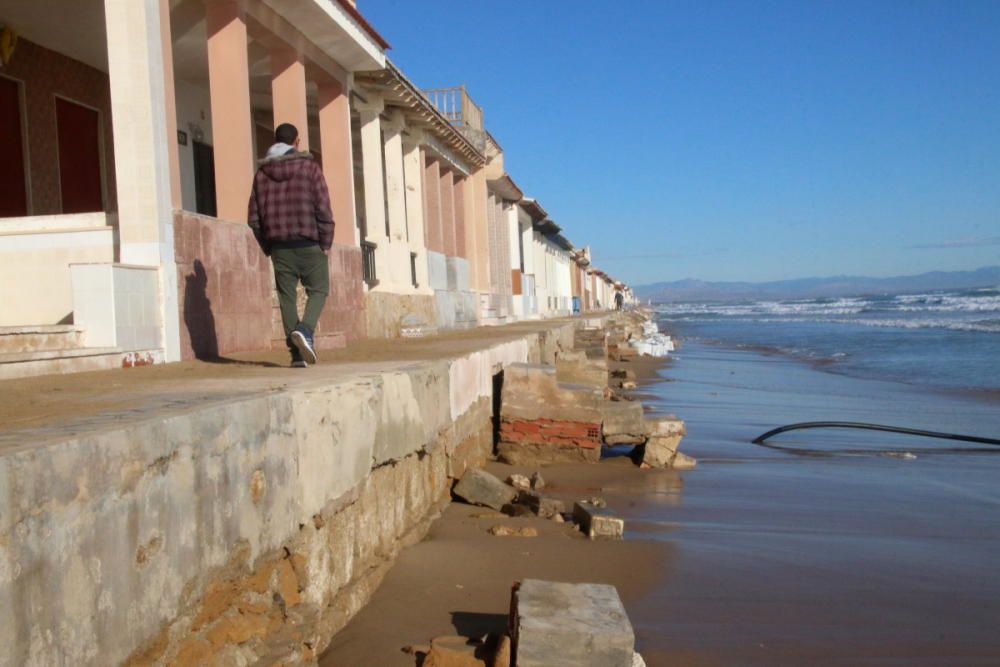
[{"x": 286, "y": 133}]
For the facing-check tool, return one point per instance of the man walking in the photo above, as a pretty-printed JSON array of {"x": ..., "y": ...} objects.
[{"x": 289, "y": 213}]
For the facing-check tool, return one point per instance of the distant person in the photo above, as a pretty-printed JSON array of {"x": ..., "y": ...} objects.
[
  {"x": 619, "y": 300},
  {"x": 289, "y": 213}
]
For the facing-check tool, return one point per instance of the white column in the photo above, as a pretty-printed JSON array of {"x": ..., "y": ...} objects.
[
  {"x": 139, "y": 101},
  {"x": 371, "y": 162},
  {"x": 392, "y": 131},
  {"x": 413, "y": 174}
]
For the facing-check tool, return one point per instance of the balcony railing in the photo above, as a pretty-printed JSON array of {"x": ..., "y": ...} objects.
[
  {"x": 455, "y": 104},
  {"x": 368, "y": 263}
]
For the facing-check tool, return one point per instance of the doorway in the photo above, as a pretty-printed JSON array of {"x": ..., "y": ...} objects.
[
  {"x": 14, "y": 201},
  {"x": 78, "y": 130},
  {"x": 204, "y": 178}
]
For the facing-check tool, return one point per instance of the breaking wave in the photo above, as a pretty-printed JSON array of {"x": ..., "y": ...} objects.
[{"x": 954, "y": 311}]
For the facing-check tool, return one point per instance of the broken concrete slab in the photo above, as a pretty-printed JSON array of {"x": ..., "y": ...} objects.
[
  {"x": 478, "y": 487},
  {"x": 556, "y": 624},
  {"x": 665, "y": 435},
  {"x": 531, "y": 391},
  {"x": 575, "y": 367},
  {"x": 622, "y": 423},
  {"x": 598, "y": 522}
]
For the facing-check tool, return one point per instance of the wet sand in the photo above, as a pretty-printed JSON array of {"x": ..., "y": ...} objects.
[
  {"x": 458, "y": 580},
  {"x": 847, "y": 556}
]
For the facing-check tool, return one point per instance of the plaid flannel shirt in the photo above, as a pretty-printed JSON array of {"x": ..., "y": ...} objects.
[{"x": 290, "y": 202}]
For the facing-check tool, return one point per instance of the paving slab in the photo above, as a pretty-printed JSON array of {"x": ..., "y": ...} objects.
[{"x": 556, "y": 624}]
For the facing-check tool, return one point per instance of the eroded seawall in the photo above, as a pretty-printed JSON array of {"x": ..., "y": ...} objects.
[{"x": 245, "y": 530}]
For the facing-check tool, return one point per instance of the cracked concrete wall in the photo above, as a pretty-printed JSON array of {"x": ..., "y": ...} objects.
[{"x": 114, "y": 547}]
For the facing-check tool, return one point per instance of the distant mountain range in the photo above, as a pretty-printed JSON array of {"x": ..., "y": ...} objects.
[{"x": 810, "y": 288}]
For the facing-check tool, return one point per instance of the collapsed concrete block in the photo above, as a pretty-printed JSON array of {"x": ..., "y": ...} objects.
[
  {"x": 598, "y": 521},
  {"x": 557, "y": 624},
  {"x": 665, "y": 435},
  {"x": 622, "y": 423},
  {"x": 542, "y": 421},
  {"x": 478, "y": 487},
  {"x": 532, "y": 391},
  {"x": 576, "y": 367}
]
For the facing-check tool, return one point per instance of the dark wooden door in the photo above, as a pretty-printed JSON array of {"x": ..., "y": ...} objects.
[
  {"x": 204, "y": 178},
  {"x": 79, "y": 135},
  {"x": 14, "y": 197}
]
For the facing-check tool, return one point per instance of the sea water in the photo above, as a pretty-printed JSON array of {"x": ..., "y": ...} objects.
[
  {"x": 837, "y": 547},
  {"x": 946, "y": 338}
]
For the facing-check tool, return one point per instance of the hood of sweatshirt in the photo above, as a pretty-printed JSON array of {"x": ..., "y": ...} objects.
[{"x": 285, "y": 167}]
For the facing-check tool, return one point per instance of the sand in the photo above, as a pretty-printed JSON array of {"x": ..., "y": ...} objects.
[{"x": 458, "y": 580}]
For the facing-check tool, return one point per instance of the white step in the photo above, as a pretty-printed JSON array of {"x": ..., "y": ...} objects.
[
  {"x": 57, "y": 362},
  {"x": 41, "y": 337}
]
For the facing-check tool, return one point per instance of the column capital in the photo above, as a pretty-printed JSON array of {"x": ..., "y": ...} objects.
[
  {"x": 413, "y": 137},
  {"x": 371, "y": 104},
  {"x": 394, "y": 123}
]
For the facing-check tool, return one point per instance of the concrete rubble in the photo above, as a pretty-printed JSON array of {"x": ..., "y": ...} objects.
[
  {"x": 513, "y": 531},
  {"x": 660, "y": 448},
  {"x": 556, "y": 624},
  {"x": 478, "y": 487},
  {"x": 598, "y": 522},
  {"x": 519, "y": 481}
]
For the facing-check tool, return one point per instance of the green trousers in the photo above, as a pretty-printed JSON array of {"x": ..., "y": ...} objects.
[{"x": 308, "y": 265}]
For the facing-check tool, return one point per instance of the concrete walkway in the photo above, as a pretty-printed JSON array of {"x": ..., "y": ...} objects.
[{"x": 36, "y": 411}]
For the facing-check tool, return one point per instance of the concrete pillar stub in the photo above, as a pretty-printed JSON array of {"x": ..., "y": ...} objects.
[
  {"x": 229, "y": 85},
  {"x": 338, "y": 159},
  {"x": 288, "y": 91},
  {"x": 141, "y": 102}
]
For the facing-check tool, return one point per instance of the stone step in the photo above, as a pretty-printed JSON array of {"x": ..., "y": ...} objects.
[
  {"x": 41, "y": 337},
  {"x": 56, "y": 362}
]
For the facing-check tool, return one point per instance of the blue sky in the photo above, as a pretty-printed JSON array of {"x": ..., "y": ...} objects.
[{"x": 735, "y": 140}]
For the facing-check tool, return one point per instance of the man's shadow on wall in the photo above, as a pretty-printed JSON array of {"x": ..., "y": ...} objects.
[{"x": 200, "y": 321}]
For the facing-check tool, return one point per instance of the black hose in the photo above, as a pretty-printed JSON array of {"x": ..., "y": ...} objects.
[{"x": 759, "y": 440}]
